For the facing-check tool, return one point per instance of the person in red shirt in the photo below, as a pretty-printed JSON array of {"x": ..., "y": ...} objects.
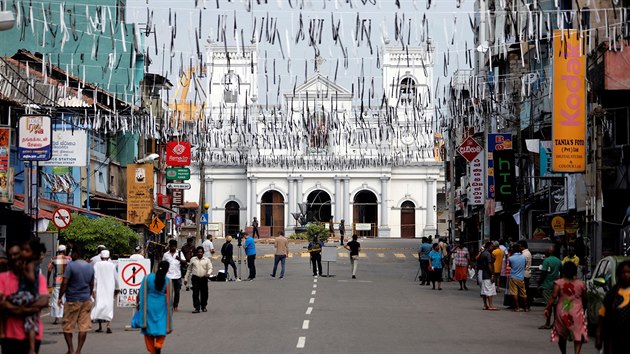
[{"x": 16, "y": 340}]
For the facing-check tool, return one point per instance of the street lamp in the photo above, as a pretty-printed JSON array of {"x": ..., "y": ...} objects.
[
  {"x": 148, "y": 158},
  {"x": 7, "y": 20}
]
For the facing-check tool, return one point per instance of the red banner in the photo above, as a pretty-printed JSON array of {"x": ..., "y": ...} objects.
[{"x": 177, "y": 153}]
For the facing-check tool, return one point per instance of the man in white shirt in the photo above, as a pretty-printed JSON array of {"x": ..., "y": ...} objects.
[
  {"x": 199, "y": 270},
  {"x": 97, "y": 258},
  {"x": 208, "y": 247},
  {"x": 138, "y": 255},
  {"x": 175, "y": 258}
]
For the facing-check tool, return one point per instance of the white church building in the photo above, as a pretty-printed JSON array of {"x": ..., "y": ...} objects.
[{"x": 379, "y": 169}]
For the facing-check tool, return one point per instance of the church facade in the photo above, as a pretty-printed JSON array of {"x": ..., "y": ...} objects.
[{"x": 378, "y": 169}]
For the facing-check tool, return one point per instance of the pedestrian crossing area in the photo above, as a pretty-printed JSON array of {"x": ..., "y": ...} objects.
[{"x": 369, "y": 254}]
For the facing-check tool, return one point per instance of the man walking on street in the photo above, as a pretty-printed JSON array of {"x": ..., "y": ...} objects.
[
  {"x": 528, "y": 272},
  {"x": 315, "y": 249},
  {"x": 106, "y": 285},
  {"x": 517, "y": 278},
  {"x": 255, "y": 228},
  {"x": 250, "y": 252},
  {"x": 77, "y": 286},
  {"x": 354, "y": 247},
  {"x": 56, "y": 268},
  {"x": 342, "y": 231},
  {"x": 199, "y": 270},
  {"x": 189, "y": 249},
  {"x": 208, "y": 247},
  {"x": 485, "y": 276},
  {"x": 175, "y": 258},
  {"x": 282, "y": 251},
  {"x": 550, "y": 272},
  {"x": 425, "y": 249}
]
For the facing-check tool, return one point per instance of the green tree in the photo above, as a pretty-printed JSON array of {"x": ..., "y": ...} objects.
[
  {"x": 89, "y": 233},
  {"x": 317, "y": 229}
]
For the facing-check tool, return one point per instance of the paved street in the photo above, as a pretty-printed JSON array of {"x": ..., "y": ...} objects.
[{"x": 383, "y": 311}]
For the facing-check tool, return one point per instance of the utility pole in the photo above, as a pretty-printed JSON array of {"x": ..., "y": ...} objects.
[{"x": 202, "y": 188}]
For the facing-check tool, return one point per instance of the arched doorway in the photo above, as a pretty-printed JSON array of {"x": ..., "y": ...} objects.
[
  {"x": 319, "y": 205},
  {"x": 408, "y": 219},
  {"x": 232, "y": 217},
  {"x": 365, "y": 211},
  {"x": 272, "y": 211}
]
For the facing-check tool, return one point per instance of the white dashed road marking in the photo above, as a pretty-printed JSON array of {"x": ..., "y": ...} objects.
[
  {"x": 313, "y": 292},
  {"x": 309, "y": 310},
  {"x": 305, "y": 324},
  {"x": 312, "y": 300},
  {"x": 301, "y": 342}
]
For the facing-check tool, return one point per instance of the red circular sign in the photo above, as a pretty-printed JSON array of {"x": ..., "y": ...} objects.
[
  {"x": 133, "y": 273},
  {"x": 62, "y": 218}
]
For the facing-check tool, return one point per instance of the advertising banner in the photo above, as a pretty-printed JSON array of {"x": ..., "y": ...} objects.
[
  {"x": 6, "y": 171},
  {"x": 505, "y": 176},
  {"x": 139, "y": 193},
  {"x": 69, "y": 148},
  {"x": 476, "y": 178},
  {"x": 569, "y": 103},
  {"x": 496, "y": 142},
  {"x": 35, "y": 138},
  {"x": 177, "y": 153}
]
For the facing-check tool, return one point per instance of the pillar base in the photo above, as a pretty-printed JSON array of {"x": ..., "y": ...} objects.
[
  {"x": 429, "y": 231},
  {"x": 384, "y": 231}
]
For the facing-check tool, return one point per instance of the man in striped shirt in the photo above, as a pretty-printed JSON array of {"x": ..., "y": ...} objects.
[{"x": 56, "y": 267}]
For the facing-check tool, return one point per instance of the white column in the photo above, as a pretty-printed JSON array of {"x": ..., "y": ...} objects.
[
  {"x": 254, "y": 200},
  {"x": 291, "y": 197},
  {"x": 208, "y": 197},
  {"x": 430, "y": 226},
  {"x": 338, "y": 195},
  {"x": 299, "y": 190},
  {"x": 346, "y": 200},
  {"x": 384, "y": 210}
]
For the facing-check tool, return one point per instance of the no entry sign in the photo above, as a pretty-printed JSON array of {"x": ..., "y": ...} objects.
[
  {"x": 131, "y": 273},
  {"x": 62, "y": 218}
]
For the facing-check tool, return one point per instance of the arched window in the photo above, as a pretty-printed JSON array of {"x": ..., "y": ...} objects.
[{"x": 407, "y": 90}]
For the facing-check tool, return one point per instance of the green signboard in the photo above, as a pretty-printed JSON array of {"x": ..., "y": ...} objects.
[{"x": 177, "y": 173}]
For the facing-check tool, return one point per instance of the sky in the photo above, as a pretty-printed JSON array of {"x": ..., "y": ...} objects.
[{"x": 348, "y": 34}]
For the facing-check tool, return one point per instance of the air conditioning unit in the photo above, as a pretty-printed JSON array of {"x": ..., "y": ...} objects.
[{"x": 7, "y": 20}]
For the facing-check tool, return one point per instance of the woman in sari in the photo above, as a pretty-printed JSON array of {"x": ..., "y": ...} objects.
[{"x": 155, "y": 308}]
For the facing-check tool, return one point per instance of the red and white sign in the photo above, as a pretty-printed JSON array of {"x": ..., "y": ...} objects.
[
  {"x": 469, "y": 149},
  {"x": 476, "y": 180},
  {"x": 131, "y": 273},
  {"x": 178, "y": 153},
  {"x": 62, "y": 218}
]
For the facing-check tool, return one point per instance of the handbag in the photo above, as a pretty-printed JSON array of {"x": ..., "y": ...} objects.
[{"x": 138, "y": 321}]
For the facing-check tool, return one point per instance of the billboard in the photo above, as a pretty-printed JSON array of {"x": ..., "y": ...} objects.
[
  {"x": 177, "y": 153},
  {"x": 496, "y": 142},
  {"x": 69, "y": 148},
  {"x": 505, "y": 176},
  {"x": 569, "y": 103},
  {"x": 6, "y": 171},
  {"x": 35, "y": 138},
  {"x": 139, "y": 193}
]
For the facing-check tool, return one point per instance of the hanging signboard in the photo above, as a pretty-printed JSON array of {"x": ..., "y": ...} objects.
[
  {"x": 505, "y": 176},
  {"x": 177, "y": 174},
  {"x": 6, "y": 171},
  {"x": 177, "y": 153},
  {"x": 569, "y": 102},
  {"x": 469, "y": 148},
  {"x": 35, "y": 138},
  {"x": 139, "y": 193},
  {"x": 476, "y": 180},
  {"x": 69, "y": 148},
  {"x": 496, "y": 142}
]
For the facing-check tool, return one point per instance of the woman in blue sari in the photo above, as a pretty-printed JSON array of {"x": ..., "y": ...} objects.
[{"x": 155, "y": 309}]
